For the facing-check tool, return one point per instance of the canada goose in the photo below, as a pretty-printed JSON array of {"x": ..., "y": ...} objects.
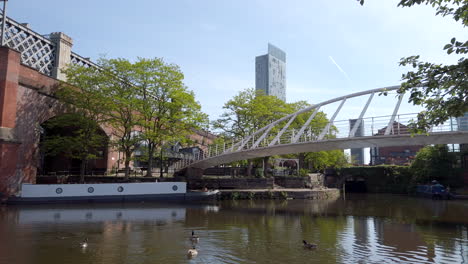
[
  {"x": 84, "y": 244},
  {"x": 194, "y": 238},
  {"x": 309, "y": 245},
  {"x": 191, "y": 253}
]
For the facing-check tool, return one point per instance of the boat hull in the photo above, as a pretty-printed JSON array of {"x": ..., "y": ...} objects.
[{"x": 106, "y": 193}]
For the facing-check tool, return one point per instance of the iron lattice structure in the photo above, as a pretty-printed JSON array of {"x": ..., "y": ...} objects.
[
  {"x": 84, "y": 62},
  {"x": 37, "y": 51}
]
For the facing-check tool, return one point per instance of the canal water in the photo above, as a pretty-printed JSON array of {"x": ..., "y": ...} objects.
[{"x": 360, "y": 229}]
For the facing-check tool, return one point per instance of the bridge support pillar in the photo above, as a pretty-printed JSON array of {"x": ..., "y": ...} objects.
[
  {"x": 63, "y": 44},
  {"x": 9, "y": 145}
]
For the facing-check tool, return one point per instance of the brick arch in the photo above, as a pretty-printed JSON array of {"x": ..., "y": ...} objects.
[
  {"x": 26, "y": 101},
  {"x": 61, "y": 163}
]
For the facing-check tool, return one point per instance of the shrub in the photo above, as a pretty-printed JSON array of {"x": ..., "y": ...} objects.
[
  {"x": 303, "y": 172},
  {"x": 235, "y": 195},
  {"x": 284, "y": 195}
]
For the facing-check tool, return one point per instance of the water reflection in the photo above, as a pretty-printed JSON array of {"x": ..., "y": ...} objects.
[
  {"x": 84, "y": 215},
  {"x": 363, "y": 229}
]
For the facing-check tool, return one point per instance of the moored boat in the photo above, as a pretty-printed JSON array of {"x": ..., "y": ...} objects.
[
  {"x": 434, "y": 192},
  {"x": 106, "y": 192}
]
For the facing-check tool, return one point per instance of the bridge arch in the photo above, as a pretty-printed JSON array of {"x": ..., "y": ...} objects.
[
  {"x": 380, "y": 131},
  {"x": 26, "y": 102},
  {"x": 61, "y": 163}
]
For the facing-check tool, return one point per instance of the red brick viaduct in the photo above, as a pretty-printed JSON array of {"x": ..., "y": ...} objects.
[
  {"x": 25, "y": 104},
  {"x": 30, "y": 70}
]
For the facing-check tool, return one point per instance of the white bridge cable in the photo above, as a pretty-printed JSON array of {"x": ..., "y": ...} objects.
[
  {"x": 330, "y": 122},
  {"x": 352, "y": 132},
  {"x": 306, "y": 124},
  {"x": 395, "y": 111},
  {"x": 255, "y": 144},
  {"x": 282, "y": 130},
  {"x": 395, "y": 124}
]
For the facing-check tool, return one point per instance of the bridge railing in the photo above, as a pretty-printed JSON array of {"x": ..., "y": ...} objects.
[
  {"x": 81, "y": 61},
  {"x": 282, "y": 132},
  {"x": 37, "y": 51},
  {"x": 41, "y": 52}
]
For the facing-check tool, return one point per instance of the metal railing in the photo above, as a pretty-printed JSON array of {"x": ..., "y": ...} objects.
[
  {"x": 85, "y": 62},
  {"x": 282, "y": 132},
  {"x": 36, "y": 50}
]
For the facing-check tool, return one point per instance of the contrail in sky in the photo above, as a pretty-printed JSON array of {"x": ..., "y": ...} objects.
[{"x": 339, "y": 68}]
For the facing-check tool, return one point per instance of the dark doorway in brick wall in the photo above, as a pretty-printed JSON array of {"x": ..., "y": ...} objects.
[{"x": 356, "y": 186}]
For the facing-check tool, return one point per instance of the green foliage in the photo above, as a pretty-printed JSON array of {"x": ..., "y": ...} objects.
[
  {"x": 122, "y": 99},
  {"x": 441, "y": 89},
  {"x": 259, "y": 173},
  {"x": 270, "y": 194},
  {"x": 249, "y": 111},
  {"x": 436, "y": 163},
  {"x": 284, "y": 195},
  {"x": 235, "y": 195},
  {"x": 251, "y": 195},
  {"x": 326, "y": 159},
  {"x": 86, "y": 107},
  {"x": 145, "y": 101},
  {"x": 167, "y": 110},
  {"x": 113, "y": 97},
  {"x": 74, "y": 136},
  {"x": 303, "y": 172}
]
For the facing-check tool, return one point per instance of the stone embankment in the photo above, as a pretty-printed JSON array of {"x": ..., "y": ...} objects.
[{"x": 281, "y": 193}]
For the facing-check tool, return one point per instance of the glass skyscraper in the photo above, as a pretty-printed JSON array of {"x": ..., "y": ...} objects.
[{"x": 270, "y": 72}]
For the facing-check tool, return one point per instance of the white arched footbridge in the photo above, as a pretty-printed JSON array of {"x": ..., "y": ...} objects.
[{"x": 359, "y": 130}]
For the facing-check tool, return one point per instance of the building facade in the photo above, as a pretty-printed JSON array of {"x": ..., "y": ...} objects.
[
  {"x": 270, "y": 72},
  {"x": 396, "y": 155}
]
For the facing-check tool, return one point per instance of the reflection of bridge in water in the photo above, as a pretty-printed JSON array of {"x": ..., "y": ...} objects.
[{"x": 359, "y": 131}]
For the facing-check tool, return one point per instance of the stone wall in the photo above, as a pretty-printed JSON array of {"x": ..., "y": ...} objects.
[
  {"x": 325, "y": 194},
  {"x": 309, "y": 181},
  {"x": 373, "y": 179},
  {"x": 226, "y": 171},
  {"x": 238, "y": 183},
  {"x": 292, "y": 182}
]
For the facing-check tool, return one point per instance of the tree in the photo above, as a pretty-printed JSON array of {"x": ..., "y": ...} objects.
[
  {"x": 434, "y": 163},
  {"x": 86, "y": 109},
  {"x": 247, "y": 112},
  {"x": 441, "y": 89},
  {"x": 167, "y": 110},
  {"x": 251, "y": 110},
  {"x": 115, "y": 104},
  {"x": 122, "y": 99},
  {"x": 322, "y": 160},
  {"x": 142, "y": 101},
  {"x": 74, "y": 136},
  {"x": 316, "y": 160}
]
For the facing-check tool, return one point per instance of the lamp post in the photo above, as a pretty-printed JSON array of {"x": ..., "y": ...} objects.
[{"x": 2, "y": 37}]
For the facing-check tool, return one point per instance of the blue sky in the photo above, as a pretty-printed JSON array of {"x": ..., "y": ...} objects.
[{"x": 333, "y": 47}]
